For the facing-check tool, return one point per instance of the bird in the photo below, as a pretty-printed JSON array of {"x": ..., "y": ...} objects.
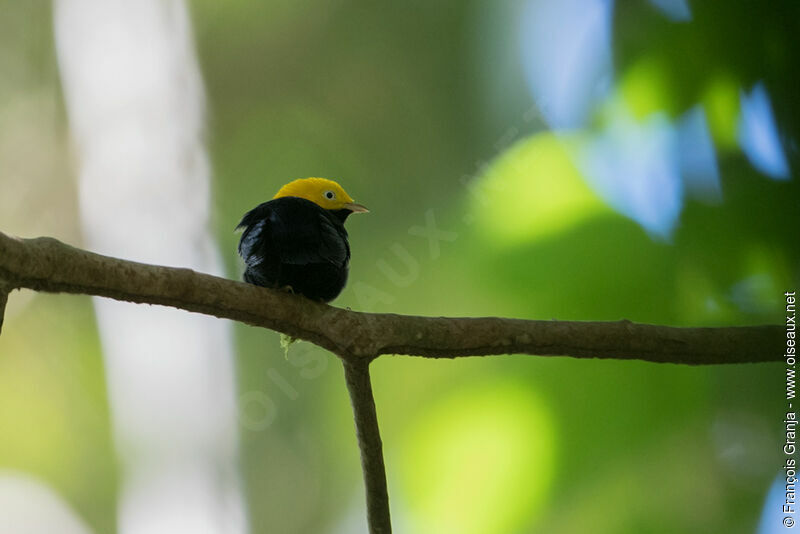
[{"x": 297, "y": 240}]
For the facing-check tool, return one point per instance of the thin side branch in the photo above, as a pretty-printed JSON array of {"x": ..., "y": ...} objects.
[
  {"x": 45, "y": 264},
  {"x": 356, "y": 374},
  {"x": 3, "y": 301}
]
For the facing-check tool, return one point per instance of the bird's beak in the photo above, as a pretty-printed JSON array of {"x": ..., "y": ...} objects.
[{"x": 356, "y": 208}]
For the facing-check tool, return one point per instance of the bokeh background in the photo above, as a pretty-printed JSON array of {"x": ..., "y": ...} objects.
[{"x": 581, "y": 159}]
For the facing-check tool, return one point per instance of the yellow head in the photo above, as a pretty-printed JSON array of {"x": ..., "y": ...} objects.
[{"x": 325, "y": 193}]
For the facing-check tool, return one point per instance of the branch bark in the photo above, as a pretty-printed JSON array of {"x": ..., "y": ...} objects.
[
  {"x": 356, "y": 374},
  {"x": 46, "y": 264},
  {"x": 3, "y": 301}
]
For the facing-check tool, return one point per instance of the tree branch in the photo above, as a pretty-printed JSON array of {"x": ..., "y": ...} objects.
[
  {"x": 3, "y": 301},
  {"x": 45, "y": 264},
  {"x": 356, "y": 373}
]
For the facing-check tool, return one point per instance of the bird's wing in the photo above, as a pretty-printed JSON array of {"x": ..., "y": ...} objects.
[
  {"x": 255, "y": 240},
  {"x": 296, "y": 230},
  {"x": 308, "y": 236}
]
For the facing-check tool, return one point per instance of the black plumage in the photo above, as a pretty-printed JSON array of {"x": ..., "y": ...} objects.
[{"x": 291, "y": 241}]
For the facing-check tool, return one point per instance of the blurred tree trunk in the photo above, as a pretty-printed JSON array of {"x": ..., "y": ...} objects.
[{"x": 135, "y": 102}]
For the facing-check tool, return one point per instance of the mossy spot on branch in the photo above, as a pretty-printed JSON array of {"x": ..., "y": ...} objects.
[{"x": 286, "y": 342}]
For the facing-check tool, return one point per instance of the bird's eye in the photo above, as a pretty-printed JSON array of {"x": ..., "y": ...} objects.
[{"x": 330, "y": 195}]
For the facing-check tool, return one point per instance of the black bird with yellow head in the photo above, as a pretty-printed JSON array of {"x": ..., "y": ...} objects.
[{"x": 297, "y": 240}]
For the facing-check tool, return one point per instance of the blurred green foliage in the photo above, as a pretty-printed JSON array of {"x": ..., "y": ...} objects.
[{"x": 410, "y": 105}]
